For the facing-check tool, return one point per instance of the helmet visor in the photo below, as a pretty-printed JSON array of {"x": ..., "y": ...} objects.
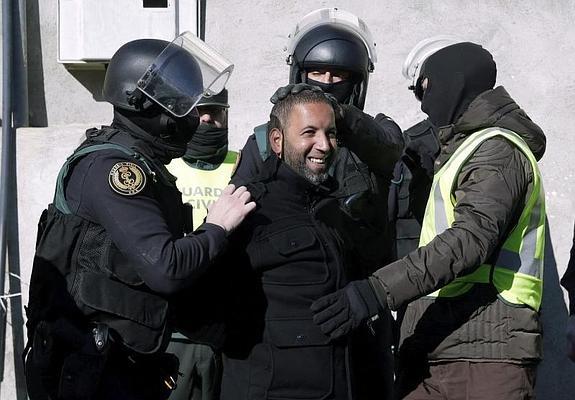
[{"x": 184, "y": 71}]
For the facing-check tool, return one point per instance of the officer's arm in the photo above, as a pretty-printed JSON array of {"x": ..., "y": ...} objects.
[
  {"x": 490, "y": 193},
  {"x": 377, "y": 142},
  {"x": 137, "y": 226}
]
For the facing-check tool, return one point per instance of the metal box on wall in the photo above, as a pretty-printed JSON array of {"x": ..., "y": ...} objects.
[{"x": 90, "y": 31}]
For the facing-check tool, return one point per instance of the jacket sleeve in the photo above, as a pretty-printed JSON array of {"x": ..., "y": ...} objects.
[
  {"x": 249, "y": 163},
  {"x": 378, "y": 141},
  {"x": 568, "y": 279},
  {"x": 164, "y": 259},
  {"x": 489, "y": 195}
]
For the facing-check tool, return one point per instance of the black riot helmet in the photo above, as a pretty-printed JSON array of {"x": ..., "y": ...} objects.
[
  {"x": 330, "y": 38},
  {"x": 134, "y": 77},
  {"x": 154, "y": 85}
]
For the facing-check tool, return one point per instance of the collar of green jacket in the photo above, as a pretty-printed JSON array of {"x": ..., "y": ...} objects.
[{"x": 494, "y": 108}]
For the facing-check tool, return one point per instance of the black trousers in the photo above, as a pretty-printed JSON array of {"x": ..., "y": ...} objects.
[{"x": 122, "y": 377}]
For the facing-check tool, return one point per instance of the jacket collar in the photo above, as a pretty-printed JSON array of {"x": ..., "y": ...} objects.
[{"x": 492, "y": 108}]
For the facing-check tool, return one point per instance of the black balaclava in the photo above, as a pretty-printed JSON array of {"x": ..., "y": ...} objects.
[
  {"x": 456, "y": 75},
  {"x": 340, "y": 90},
  {"x": 209, "y": 145},
  {"x": 165, "y": 135}
]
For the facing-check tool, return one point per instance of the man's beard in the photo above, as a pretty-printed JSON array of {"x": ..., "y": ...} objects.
[{"x": 298, "y": 164}]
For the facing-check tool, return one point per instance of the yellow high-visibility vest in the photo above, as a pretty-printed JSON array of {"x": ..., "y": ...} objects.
[
  {"x": 199, "y": 187},
  {"x": 517, "y": 272}
]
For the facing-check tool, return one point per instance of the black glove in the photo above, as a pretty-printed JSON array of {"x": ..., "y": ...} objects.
[
  {"x": 340, "y": 312},
  {"x": 292, "y": 88},
  {"x": 347, "y": 120}
]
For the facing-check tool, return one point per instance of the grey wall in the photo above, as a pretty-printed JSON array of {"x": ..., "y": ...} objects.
[{"x": 533, "y": 43}]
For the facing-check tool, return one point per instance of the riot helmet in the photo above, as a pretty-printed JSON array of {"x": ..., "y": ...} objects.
[
  {"x": 174, "y": 75},
  {"x": 416, "y": 58},
  {"x": 333, "y": 39},
  {"x": 154, "y": 85}
]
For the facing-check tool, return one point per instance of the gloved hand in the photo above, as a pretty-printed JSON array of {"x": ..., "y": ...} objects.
[
  {"x": 338, "y": 313},
  {"x": 347, "y": 120},
  {"x": 571, "y": 338},
  {"x": 292, "y": 88}
]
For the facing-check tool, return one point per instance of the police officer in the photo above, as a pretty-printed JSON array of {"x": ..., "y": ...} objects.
[
  {"x": 111, "y": 249},
  {"x": 207, "y": 165},
  {"x": 203, "y": 172},
  {"x": 413, "y": 172},
  {"x": 473, "y": 287}
]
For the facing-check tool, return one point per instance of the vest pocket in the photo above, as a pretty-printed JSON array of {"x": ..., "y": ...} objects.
[
  {"x": 138, "y": 317},
  {"x": 302, "y": 360},
  {"x": 290, "y": 257}
]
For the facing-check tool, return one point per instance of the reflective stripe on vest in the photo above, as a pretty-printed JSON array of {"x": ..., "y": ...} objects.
[
  {"x": 200, "y": 187},
  {"x": 517, "y": 273}
]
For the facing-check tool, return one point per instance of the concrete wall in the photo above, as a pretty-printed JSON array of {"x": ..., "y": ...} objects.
[{"x": 533, "y": 43}]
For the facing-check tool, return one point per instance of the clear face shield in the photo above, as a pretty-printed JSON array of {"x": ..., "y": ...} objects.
[
  {"x": 185, "y": 70},
  {"x": 332, "y": 16}
]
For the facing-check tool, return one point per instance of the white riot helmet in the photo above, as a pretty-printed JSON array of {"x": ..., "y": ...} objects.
[
  {"x": 420, "y": 53},
  {"x": 333, "y": 38}
]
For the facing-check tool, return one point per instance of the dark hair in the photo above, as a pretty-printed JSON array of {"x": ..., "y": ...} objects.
[{"x": 281, "y": 110}]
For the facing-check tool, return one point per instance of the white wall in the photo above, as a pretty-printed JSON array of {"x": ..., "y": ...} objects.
[{"x": 533, "y": 43}]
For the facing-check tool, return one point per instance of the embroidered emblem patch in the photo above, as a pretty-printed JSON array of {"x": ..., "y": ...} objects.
[{"x": 127, "y": 178}]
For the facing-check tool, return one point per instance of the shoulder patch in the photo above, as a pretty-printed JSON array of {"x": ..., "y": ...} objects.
[
  {"x": 127, "y": 178},
  {"x": 237, "y": 163}
]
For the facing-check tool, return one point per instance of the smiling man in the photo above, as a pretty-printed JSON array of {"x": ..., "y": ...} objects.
[
  {"x": 289, "y": 253},
  {"x": 303, "y": 135}
]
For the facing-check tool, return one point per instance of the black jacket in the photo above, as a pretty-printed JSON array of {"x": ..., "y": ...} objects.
[
  {"x": 490, "y": 192},
  {"x": 368, "y": 150},
  {"x": 291, "y": 251}
]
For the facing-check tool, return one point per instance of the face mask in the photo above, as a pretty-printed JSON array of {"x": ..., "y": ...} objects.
[
  {"x": 340, "y": 90},
  {"x": 208, "y": 144},
  {"x": 178, "y": 132},
  {"x": 456, "y": 75}
]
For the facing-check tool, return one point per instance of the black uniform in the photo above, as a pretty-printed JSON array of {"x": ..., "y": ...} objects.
[
  {"x": 110, "y": 253},
  {"x": 291, "y": 251}
]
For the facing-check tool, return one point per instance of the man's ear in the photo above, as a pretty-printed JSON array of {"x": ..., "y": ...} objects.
[{"x": 276, "y": 141}]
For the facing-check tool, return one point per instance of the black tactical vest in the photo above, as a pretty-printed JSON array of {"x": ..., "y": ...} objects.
[{"x": 78, "y": 273}]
